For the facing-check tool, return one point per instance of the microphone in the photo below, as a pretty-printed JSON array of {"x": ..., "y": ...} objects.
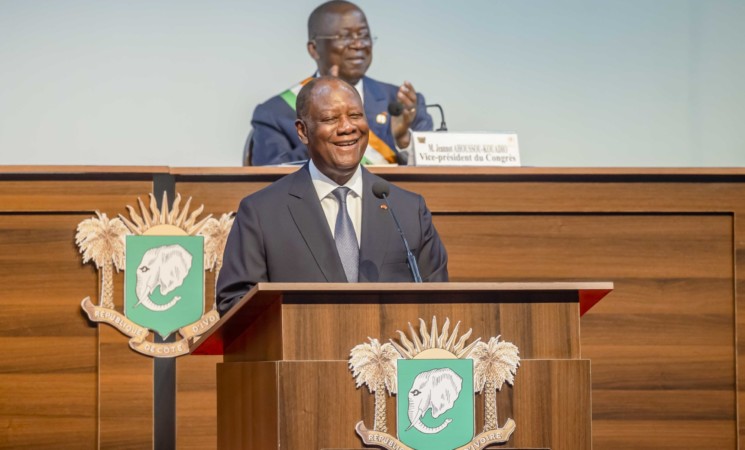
[
  {"x": 395, "y": 108},
  {"x": 381, "y": 189},
  {"x": 443, "y": 127}
]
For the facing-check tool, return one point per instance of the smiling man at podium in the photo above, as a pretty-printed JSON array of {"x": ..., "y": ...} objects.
[{"x": 327, "y": 222}]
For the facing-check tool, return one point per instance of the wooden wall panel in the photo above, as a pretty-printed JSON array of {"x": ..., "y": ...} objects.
[
  {"x": 48, "y": 361},
  {"x": 663, "y": 343},
  {"x": 352, "y": 325},
  {"x": 196, "y": 402},
  {"x": 671, "y": 315},
  {"x": 554, "y": 393},
  {"x": 259, "y": 388},
  {"x": 666, "y": 332},
  {"x": 587, "y": 247},
  {"x": 49, "y": 366},
  {"x": 47, "y": 196},
  {"x": 574, "y": 195},
  {"x": 663, "y": 434},
  {"x": 126, "y": 393},
  {"x": 218, "y": 197},
  {"x": 196, "y": 399},
  {"x": 318, "y": 404},
  {"x": 739, "y": 228}
]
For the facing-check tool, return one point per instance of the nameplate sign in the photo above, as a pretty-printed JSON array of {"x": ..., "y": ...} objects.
[{"x": 465, "y": 149}]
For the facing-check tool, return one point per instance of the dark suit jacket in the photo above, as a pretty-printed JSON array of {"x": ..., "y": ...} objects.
[
  {"x": 275, "y": 139},
  {"x": 280, "y": 234}
]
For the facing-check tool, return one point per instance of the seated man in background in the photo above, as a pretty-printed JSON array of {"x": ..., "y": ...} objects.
[
  {"x": 323, "y": 223},
  {"x": 340, "y": 42}
]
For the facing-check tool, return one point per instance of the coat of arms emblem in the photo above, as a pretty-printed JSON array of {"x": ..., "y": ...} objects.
[
  {"x": 435, "y": 375},
  {"x": 164, "y": 253}
]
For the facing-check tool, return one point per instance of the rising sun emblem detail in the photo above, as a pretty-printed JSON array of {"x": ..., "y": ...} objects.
[{"x": 435, "y": 375}]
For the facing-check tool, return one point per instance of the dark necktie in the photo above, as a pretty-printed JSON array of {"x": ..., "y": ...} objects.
[{"x": 346, "y": 240}]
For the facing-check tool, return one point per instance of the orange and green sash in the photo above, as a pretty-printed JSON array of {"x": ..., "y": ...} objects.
[
  {"x": 374, "y": 142},
  {"x": 290, "y": 95}
]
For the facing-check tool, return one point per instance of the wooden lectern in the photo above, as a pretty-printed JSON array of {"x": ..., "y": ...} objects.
[{"x": 285, "y": 381}]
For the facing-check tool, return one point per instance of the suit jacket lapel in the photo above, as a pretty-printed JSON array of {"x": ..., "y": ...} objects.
[
  {"x": 376, "y": 102},
  {"x": 376, "y": 230},
  {"x": 306, "y": 211}
]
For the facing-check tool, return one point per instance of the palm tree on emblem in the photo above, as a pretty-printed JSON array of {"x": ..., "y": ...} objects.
[
  {"x": 494, "y": 363},
  {"x": 215, "y": 234},
  {"x": 102, "y": 241},
  {"x": 375, "y": 366}
]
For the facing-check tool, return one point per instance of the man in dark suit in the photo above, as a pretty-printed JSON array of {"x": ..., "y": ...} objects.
[
  {"x": 323, "y": 223},
  {"x": 340, "y": 42}
]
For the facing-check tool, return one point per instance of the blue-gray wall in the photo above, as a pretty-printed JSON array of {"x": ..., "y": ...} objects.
[{"x": 583, "y": 83}]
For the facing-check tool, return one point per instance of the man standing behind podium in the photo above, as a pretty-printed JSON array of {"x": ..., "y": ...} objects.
[
  {"x": 340, "y": 42},
  {"x": 322, "y": 223}
]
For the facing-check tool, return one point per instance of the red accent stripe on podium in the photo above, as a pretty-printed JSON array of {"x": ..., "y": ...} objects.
[{"x": 589, "y": 298}]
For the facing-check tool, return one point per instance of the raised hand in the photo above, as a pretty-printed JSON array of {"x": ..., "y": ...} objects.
[{"x": 400, "y": 125}]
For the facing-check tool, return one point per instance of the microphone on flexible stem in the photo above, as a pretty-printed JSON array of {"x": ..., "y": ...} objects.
[
  {"x": 443, "y": 127},
  {"x": 396, "y": 108},
  {"x": 381, "y": 189}
]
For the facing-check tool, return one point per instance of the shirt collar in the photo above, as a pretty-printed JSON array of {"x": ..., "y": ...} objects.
[
  {"x": 325, "y": 185},
  {"x": 361, "y": 90}
]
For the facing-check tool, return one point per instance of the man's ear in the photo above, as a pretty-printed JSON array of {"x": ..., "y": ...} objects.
[
  {"x": 302, "y": 131},
  {"x": 312, "y": 50}
]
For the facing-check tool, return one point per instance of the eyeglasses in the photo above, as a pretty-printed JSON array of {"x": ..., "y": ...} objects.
[{"x": 345, "y": 40}]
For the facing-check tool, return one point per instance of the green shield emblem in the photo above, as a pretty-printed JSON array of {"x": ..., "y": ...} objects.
[
  {"x": 435, "y": 404},
  {"x": 164, "y": 281}
]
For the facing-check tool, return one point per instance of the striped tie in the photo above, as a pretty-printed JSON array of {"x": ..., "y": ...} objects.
[{"x": 346, "y": 239}]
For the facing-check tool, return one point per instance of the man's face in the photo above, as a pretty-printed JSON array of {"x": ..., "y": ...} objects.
[
  {"x": 335, "y": 130},
  {"x": 352, "y": 58}
]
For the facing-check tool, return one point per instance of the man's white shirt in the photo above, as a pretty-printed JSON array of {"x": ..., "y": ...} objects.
[{"x": 325, "y": 186}]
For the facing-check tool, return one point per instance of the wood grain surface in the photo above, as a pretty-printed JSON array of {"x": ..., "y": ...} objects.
[
  {"x": 665, "y": 346},
  {"x": 48, "y": 395},
  {"x": 57, "y": 369},
  {"x": 299, "y": 321},
  {"x": 663, "y": 343},
  {"x": 324, "y": 332},
  {"x": 552, "y": 405},
  {"x": 312, "y": 405}
]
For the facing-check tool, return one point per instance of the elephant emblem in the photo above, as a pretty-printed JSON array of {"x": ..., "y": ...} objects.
[
  {"x": 166, "y": 267},
  {"x": 436, "y": 389}
]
